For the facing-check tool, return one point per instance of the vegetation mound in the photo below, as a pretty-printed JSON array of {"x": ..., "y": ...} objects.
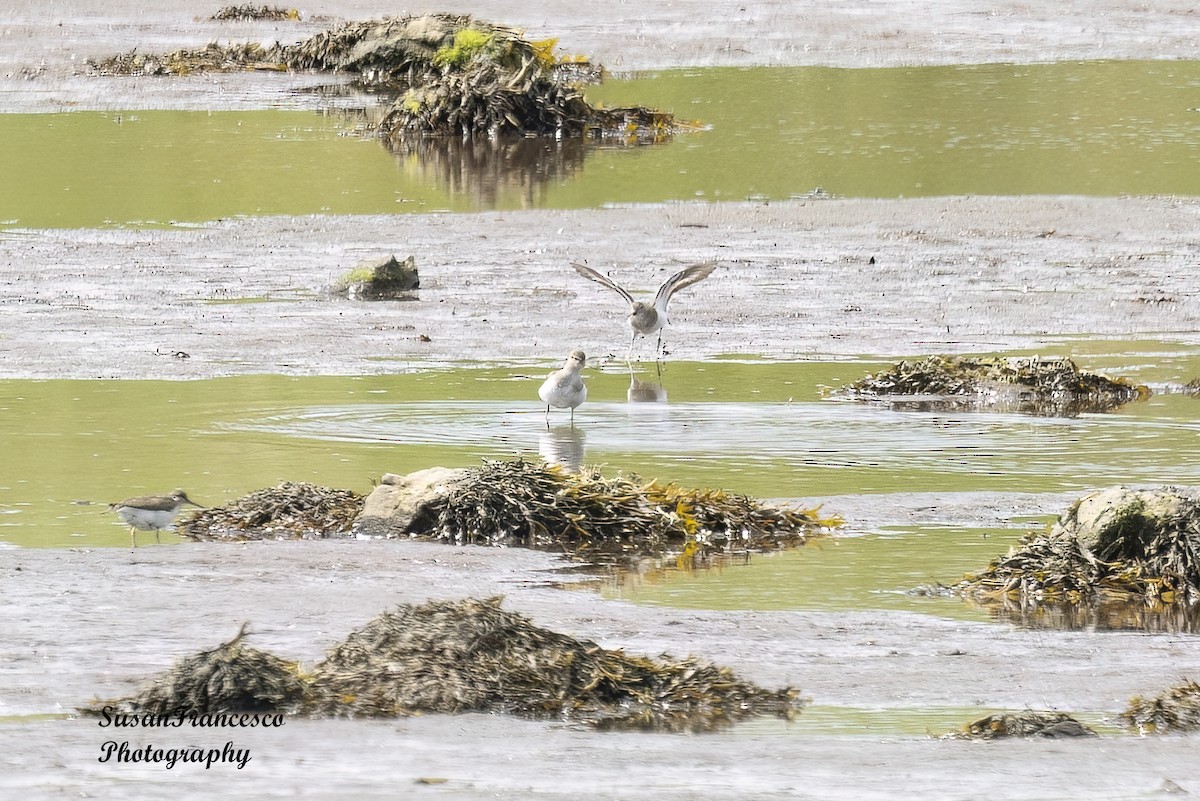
[
  {"x": 229, "y": 678},
  {"x": 1024, "y": 724},
  {"x": 519, "y": 503},
  {"x": 1176, "y": 710},
  {"x": 1123, "y": 546},
  {"x": 455, "y": 76},
  {"x": 464, "y": 656},
  {"x": 1032, "y": 385},
  {"x": 248, "y": 12},
  {"x": 287, "y": 511}
]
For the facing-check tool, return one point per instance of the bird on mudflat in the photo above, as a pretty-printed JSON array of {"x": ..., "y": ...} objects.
[
  {"x": 564, "y": 388},
  {"x": 645, "y": 318},
  {"x": 151, "y": 512}
]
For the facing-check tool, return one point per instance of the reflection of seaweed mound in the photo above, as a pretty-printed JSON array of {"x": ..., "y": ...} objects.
[
  {"x": 1032, "y": 385},
  {"x": 288, "y": 511},
  {"x": 1025, "y": 724},
  {"x": 538, "y": 506},
  {"x": 1138, "y": 548},
  {"x": 464, "y": 656},
  {"x": 462, "y": 76},
  {"x": 484, "y": 169},
  {"x": 1177, "y": 709}
]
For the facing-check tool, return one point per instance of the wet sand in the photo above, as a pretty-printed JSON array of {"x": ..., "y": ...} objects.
[{"x": 959, "y": 274}]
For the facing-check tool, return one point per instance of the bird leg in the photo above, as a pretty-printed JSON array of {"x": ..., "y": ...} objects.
[
  {"x": 132, "y": 538},
  {"x": 547, "y": 417}
]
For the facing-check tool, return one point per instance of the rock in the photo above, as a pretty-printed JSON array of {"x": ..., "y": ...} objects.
[
  {"x": 1121, "y": 523},
  {"x": 379, "y": 279},
  {"x": 393, "y": 506}
]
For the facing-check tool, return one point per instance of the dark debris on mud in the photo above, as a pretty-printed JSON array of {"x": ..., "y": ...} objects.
[
  {"x": 1175, "y": 710},
  {"x": 1031, "y": 385},
  {"x": 464, "y": 656},
  {"x": 291, "y": 510},
  {"x": 1050, "y": 725}
]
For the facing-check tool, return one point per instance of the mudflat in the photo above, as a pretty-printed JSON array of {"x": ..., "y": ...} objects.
[{"x": 802, "y": 279}]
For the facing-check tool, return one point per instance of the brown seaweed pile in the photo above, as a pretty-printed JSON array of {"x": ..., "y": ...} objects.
[
  {"x": 248, "y": 12},
  {"x": 1023, "y": 724},
  {"x": 464, "y": 656},
  {"x": 519, "y": 503},
  {"x": 457, "y": 75},
  {"x": 1176, "y": 710},
  {"x": 229, "y": 678},
  {"x": 1118, "y": 546},
  {"x": 287, "y": 511},
  {"x": 1030, "y": 385}
]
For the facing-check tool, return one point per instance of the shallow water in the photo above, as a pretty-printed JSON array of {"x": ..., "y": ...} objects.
[
  {"x": 1090, "y": 128},
  {"x": 763, "y": 428}
]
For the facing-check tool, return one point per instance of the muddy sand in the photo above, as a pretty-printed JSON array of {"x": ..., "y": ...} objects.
[{"x": 949, "y": 275}]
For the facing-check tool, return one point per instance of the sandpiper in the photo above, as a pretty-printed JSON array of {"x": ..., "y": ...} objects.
[
  {"x": 645, "y": 318},
  {"x": 150, "y": 512},
  {"x": 564, "y": 388}
]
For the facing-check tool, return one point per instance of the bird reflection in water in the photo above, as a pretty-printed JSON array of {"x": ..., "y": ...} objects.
[
  {"x": 563, "y": 446},
  {"x": 645, "y": 391}
]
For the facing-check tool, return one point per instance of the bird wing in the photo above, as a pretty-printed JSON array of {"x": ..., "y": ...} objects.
[
  {"x": 603, "y": 280},
  {"x": 681, "y": 280},
  {"x": 151, "y": 503}
]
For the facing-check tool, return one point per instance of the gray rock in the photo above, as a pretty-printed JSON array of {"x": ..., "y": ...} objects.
[
  {"x": 1119, "y": 523},
  {"x": 398, "y": 501}
]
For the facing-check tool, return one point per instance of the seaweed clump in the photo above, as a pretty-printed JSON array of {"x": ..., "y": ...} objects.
[
  {"x": 1052, "y": 725},
  {"x": 291, "y": 510},
  {"x": 473, "y": 656},
  {"x": 455, "y": 75},
  {"x": 230, "y": 678},
  {"x": 1176, "y": 710},
  {"x": 1110, "y": 548},
  {"x": 248, "y": 12},
  {"x": 464, "y": 656},
  {"x": 1031, "y": 385},
  {"x": 519, "y": 503}
]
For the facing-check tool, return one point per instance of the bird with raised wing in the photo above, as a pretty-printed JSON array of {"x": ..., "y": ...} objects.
[
  {"x": 646, "y": 318},
  {"x": 151, "y": 512},
  {"x": 564, "y": 389}
]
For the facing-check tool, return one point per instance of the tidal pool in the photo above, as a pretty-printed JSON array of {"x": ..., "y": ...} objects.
[
  {"x": 1089, "y": 128},
  {"x": 765, "y": 428}
]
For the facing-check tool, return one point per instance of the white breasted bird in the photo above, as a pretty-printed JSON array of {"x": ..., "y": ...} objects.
[
  {"x": 151, "y": 512},
  {"x": 564, "y": 389}
]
